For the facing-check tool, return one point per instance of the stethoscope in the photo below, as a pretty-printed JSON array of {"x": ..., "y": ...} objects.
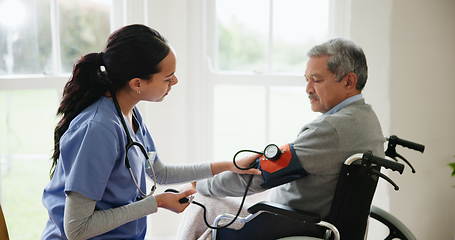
[{"x": 130, "y": 143}]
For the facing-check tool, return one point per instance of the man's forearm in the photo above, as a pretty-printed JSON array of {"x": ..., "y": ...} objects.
[{"x": 229, "y": 184}]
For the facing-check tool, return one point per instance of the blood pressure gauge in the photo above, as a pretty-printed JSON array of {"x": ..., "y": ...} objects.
[{"x": 272, "y": 152}]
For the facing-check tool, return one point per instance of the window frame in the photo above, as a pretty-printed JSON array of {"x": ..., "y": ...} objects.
[{"x": 122, "y": 12}]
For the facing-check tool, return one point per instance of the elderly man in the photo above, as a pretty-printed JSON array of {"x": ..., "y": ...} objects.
[{"x": 336, "y": 73}]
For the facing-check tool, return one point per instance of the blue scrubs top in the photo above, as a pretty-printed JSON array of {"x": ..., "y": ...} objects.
[{"x": 91, "y": 162}]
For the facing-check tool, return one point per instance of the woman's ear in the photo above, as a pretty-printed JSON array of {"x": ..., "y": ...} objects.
[{"x": 135, "y": 85}]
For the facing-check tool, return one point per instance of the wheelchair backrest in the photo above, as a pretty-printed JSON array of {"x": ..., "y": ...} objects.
[{"x": 352, "y": 200}]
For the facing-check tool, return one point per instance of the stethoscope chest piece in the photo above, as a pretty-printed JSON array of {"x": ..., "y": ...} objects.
[{"x": 150, "y": 170}]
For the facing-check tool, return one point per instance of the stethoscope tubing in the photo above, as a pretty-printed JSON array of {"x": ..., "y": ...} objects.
[{"x": 131, "y": 143}]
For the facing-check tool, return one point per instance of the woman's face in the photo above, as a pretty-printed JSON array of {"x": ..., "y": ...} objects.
[{"x": 159, "y": 85}]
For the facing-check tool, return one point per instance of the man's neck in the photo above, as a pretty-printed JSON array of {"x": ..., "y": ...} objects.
[{"x": 344, "y": 103}]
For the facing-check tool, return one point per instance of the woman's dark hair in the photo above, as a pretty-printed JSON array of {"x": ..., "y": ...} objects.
[{"x": 133, "y": 51}]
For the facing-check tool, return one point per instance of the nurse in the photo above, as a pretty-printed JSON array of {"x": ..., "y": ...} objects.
[{"x": 103, "y": 149}]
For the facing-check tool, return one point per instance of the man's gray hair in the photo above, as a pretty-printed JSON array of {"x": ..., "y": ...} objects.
[{"x": 344, "y": 57}]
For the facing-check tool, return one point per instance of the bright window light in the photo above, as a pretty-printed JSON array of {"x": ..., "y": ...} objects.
[{"x": 12, "y": 14}]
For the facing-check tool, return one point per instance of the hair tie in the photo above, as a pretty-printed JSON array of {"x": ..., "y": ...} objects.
[{"x": 100, "y": 62}]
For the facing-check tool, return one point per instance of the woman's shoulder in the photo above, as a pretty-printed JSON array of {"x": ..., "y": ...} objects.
[{"x": 100, "y": 114}]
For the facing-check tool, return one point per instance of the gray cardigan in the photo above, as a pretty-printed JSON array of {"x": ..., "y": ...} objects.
[{"x": 321, "y": 146}]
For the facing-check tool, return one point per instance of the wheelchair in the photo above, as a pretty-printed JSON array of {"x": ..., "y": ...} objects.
[{"x": 349, "y": 213}]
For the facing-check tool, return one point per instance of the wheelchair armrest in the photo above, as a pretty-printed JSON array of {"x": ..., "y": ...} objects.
[{"x": 284, "y": 210}]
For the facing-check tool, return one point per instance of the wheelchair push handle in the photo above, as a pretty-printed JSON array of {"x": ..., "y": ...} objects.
[
  {"x": 369, "y": 158},
  {"x": 405, "y": 143}
]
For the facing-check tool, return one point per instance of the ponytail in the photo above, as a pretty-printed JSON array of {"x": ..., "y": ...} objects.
[{"x": 86, "y": 85}]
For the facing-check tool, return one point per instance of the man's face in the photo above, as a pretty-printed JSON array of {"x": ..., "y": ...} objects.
[{"x": 322, "y": 87}]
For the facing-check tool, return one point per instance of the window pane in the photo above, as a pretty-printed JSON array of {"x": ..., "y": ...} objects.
[
  {"x": 297, "y": 26},
  {"x": 243, "y": 33},
  {"x": 27, "y": 120},
  {"x": 290, "y": 110},
  {"x": 242, "y": 29},
  {"x": 239, "y": 120},
  {"x": 25, "y": 37},
  {"x": 84, "y": 28}
]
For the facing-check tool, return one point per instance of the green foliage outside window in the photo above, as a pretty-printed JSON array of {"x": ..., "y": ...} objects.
[
  {"x": 84, "y": 28},
  {"x": 240, "y": 49},
  {"x": 27, "y": 48},
  {"x": 243, "y": 49}
]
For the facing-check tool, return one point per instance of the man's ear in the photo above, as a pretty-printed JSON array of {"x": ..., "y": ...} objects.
[{"x": 351, "y": 80}]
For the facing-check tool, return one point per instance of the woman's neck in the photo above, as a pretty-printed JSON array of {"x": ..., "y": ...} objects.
[{"x": 126, "y": 101}]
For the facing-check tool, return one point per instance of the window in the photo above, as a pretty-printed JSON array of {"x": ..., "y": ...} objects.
[
  {"x": 25, "y": 37},
  {"x": 46, "y": 37},
  {"x": 268, "y": 36},
  {"x": 25, "y": 147},
  {"x": 40, "y": 40},
  {"x": 259, "y": 58},
  {"x": 78, "y": 32}
]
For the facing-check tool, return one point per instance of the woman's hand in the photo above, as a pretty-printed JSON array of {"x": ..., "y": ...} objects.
[
  {"x": 171, "y": 202},
  {"x": 244, "y": 163},
  {"x": 218, "y": 167}
]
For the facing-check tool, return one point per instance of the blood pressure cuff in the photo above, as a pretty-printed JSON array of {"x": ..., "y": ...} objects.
[{"x": 285, "y": 169}]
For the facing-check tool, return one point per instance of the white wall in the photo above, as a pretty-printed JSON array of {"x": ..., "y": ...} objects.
[
  {"x": 410, "y": 46},
  {"x": 422, "y": 85}
]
